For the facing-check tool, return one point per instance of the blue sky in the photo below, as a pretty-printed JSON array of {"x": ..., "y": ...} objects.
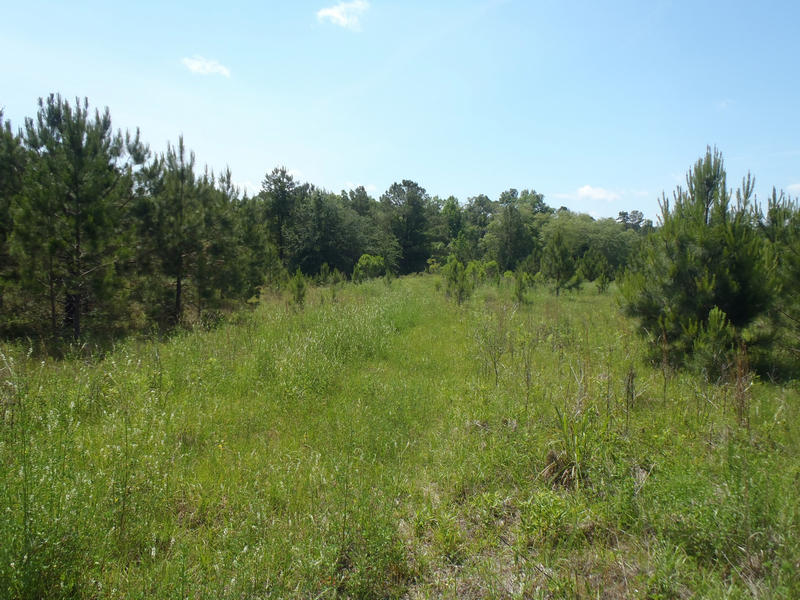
[{"x": 601, "y": 106}]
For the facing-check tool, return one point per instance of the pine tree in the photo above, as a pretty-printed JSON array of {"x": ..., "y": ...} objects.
[
  {"x": 707, "y": 254},
  {"x": 178, "y": 222},
  {"x": 69, "y": 235},
  {"x": 220, "y": 266},
  {"x": 781, "y": 227},
  {"x": 279, "y": 193},
  {"x": 12, "y": 167},
  {"x": 557, "y": 263}
]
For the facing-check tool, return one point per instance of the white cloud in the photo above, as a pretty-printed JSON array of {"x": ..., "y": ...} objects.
[
  {"x": 344, "y": 14},
  {"x": 204, "y": 66},
  {"x": 793, "y": 188},
  {"x": 587, "y": 192}
]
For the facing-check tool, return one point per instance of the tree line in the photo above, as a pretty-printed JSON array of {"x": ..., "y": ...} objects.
[{"x": 101, "y": 236}]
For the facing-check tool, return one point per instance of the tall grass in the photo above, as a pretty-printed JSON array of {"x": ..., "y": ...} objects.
[{"x": 386, "y": 442}]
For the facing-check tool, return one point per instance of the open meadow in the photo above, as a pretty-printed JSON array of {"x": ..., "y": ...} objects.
[{"x": 384, "y": 441}]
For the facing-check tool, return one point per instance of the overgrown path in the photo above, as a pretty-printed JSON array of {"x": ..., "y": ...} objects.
[{"x": 385, "y": 442}]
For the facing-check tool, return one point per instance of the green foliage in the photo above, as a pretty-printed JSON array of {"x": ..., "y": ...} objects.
[
  {"x": 595, "y": 265},
  {"x": 453, "y": 218},
  {"x": 406, "y": 206},
  {"x": 323, "y": 231},
  {"x": 177, "y": 222},
  {"x": 569, "y": 465},
  {"x": 575, "y": 282},
  {"x": 458, "y": 285},
  {"x": 602, "y": 282},
  {"x": 522, "y": 282},
  {"x": 70, "y": 235},
  {"x": 474, "y": 272},
  {"x": 97, "y": 241},
  {"x": 781, "y": 228},
  {"x": 279, "y": 194},
  {"x": 713, "y": 346},
  {"x": 297, "y": 288},
  {"x": 707, "y": 253},
  {"x": 492, "y": 331},
  {"x": 12, "y": 167},
  {"x": 361, "y": 448},
  {"x": 368, "y": 267},
  {"x": 491, "y": 272},
  {"x": 557, "y": 263},
  {"x": 507, "y": 240}
]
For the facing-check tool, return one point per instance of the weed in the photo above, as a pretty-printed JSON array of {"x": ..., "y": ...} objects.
[
  {"x": 577, "y": 437},
  {"x": 492, "y": 336}
]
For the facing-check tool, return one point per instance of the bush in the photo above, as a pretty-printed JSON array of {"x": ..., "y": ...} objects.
[
  {"x": 368, "y": 267},
  {"x": 522, "y": 281}
]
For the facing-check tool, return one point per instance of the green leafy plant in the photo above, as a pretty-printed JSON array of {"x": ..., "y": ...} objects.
[
  {"x": 368, "y": 267},
  {"x": 297, "y": 288}
]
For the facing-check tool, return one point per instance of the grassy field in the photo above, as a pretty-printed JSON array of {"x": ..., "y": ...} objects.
[{"x": 385, "y": 442}]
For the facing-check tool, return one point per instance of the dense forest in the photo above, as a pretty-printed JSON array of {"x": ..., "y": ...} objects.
[{"x": 100, "y": 236}]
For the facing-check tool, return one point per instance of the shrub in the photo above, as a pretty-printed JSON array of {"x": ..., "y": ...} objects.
[
  {"x": 369, "y": 267},
  {"x": 522, "y": 281},
  {"x": 297, "y": 288},
  {"x": 491, "y": 271}
]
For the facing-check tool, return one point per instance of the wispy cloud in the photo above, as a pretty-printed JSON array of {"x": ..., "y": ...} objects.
[
  {"x": 345, "y": 14},
  {"x": 588, "y": 192},
  {"x": 204, "y": 66},
  {"x": 724, "y": 104},
  {"x": 793, "y": 188}
]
